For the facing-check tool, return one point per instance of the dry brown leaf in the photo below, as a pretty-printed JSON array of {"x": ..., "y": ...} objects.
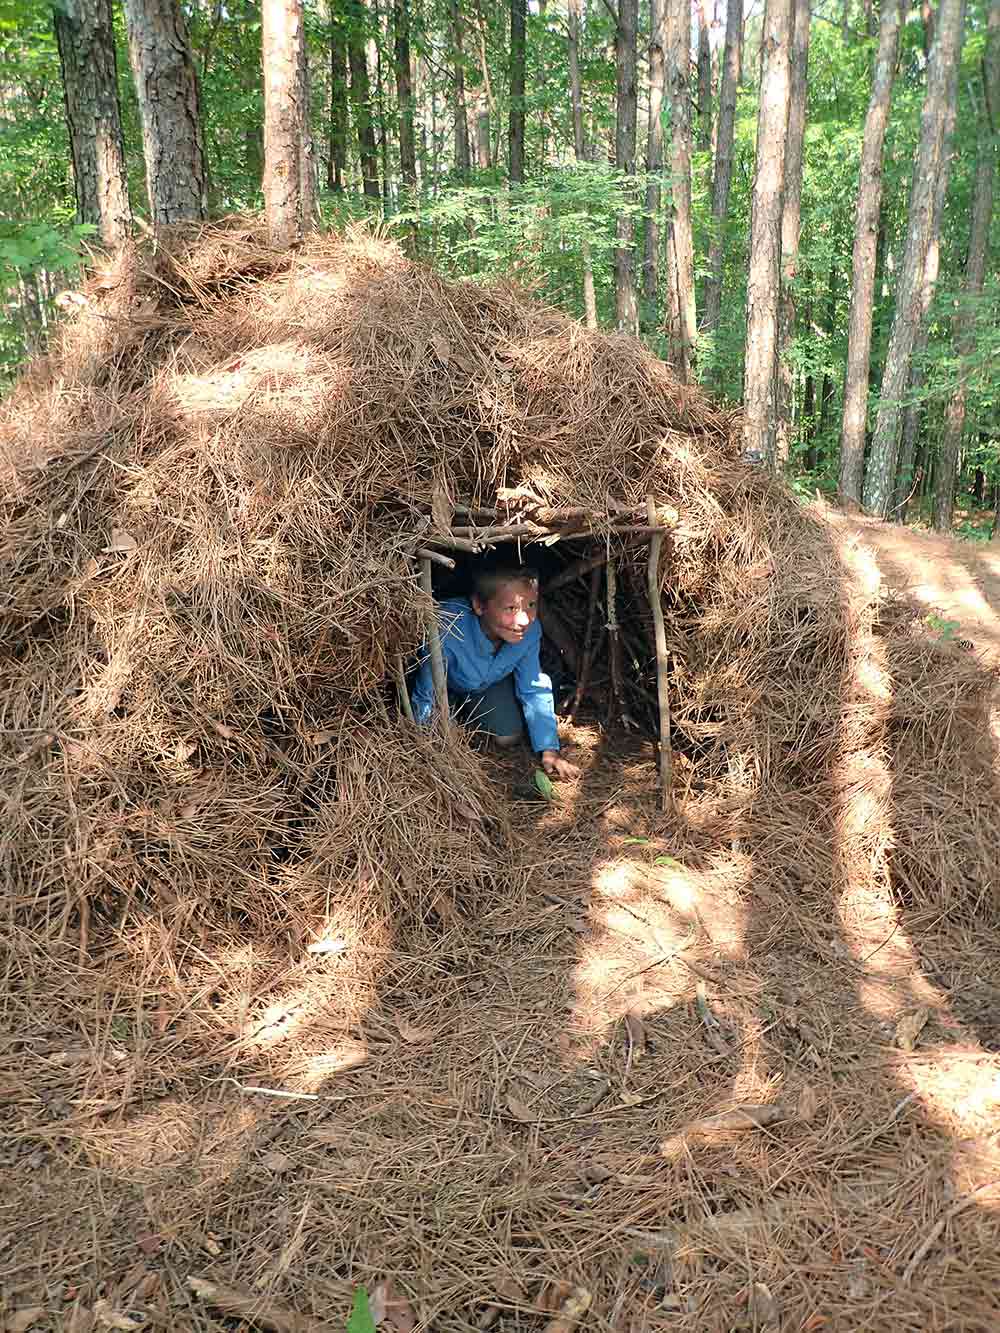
[
  {"x": 467, "y": 812},
  {"x": 442, "y": 348},
  {"x": 327, "y": 946},
  {"x": 389, "y": 1308},
  {"x": 807, "y": 1104},
  {"x": 188, "y": 810},
  {"x": 740, "y": 1118},
  {"x": 576, "y": 1304},
  {"x": 637, "y": 1033},
  {"x": 227, "y": 733},
  {"x": 909, "y": 1028},
  {"x": 121, "y": 542},
  {"x": 520, "y": 1111},
  {"x": 764, "y": 1309},
  {"x": 277, "y": 1162},
  {"x": 410, "y": 1032},
  {"x": 183, "y": 750},
  {"x": 445, "y": 909},
  {"x": 321, "y": 737},
  {"x": 551, "y": 1297},
  {"x": 631, "y": 1099},
  {"x": 108, "y": 1317},
  {"x": 19, "y": 1321}
]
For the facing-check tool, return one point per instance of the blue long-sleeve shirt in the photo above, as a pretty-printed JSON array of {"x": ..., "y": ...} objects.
[{"x": 473, "y": 663}]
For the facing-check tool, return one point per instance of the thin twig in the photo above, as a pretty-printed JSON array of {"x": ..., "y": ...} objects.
[
  {"x": 662, "y": 690},
  {"x": 434, "y": 644}
]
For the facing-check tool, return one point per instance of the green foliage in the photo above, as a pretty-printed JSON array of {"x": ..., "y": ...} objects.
[{"x": 360, "y": 1319}]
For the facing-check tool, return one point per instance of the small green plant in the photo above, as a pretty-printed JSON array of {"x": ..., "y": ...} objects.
[
  {"x": 360, "y": 1320},
  {"x": 947, "y": 629}
]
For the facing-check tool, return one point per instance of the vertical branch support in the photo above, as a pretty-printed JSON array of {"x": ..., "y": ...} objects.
[
  {"x": 662, "y": 694},
  {"x": 616, "y": 702},
  {"x": 434, "y": 644},
  {"x": 404, "y": 693},
  {"x": 588, "y": 650}
]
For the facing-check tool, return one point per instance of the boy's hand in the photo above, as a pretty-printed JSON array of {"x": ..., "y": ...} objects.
[{"x": 557, "y": 767}]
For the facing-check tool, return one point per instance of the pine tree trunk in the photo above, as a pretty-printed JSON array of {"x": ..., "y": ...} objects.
[
  {"x": 361, "y": 98},
  {"x": 573, "y": 15},
  {"x": 654, "y": 157},
  {"x": 337, "y": 161},
  {"x": 731, "y": 62},
  {"x": 463, "y": 149},
  {"x": 863, "y": 266},
  {"x": 932, "y": 160},
  {"x": 166, "y": 86},
  {"x": 515, "y": 134},
  {"x": 704, "y": 80},
  {"x": 975, "y": 271},
  {"x": 764, "y": 275},
  {"x": 285, "y": 116},
  {"x": 791, "y": 215},
  {"x": 404, "y": 92},
  {"x": 86, "y": 41},
  {"x": 626, "y": 305},
  {"x": 681, "y": 228}
]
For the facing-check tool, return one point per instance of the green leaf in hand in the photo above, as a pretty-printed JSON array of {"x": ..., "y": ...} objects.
[{"x": 544, "y": 785}]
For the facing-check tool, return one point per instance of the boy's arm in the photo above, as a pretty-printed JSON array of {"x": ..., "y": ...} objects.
[
  {"x": 422, "y": 696},
  {"x": 534, "y": 689}
]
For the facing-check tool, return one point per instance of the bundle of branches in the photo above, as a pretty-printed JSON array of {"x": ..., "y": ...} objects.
[{"x": 214, "y": 488}]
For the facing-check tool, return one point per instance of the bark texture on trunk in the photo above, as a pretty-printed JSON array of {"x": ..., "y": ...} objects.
[
  {"x": 463, "y": 148},
  {"x": 337, "y": 161},
  {"x": 515, "y": 133},
  {"x": 573, "y": 15},
  {"x": 863, "y": 263},
  {"x": 361, "y": 98},
  {"x": 166, "y": 85},
  {"x": 681, "y": 228},
  {"x": 286, "y": 111},
  {"x": 931, "y": 161},
  {"x": 654, "y": 156},
  {"x": 404, "y": 91},
  {"x": 704, "y": 80},
  {"x": 791, "y": 217},
  {"x": 764, "y": 275},
  {"x": 86, "y": 42},
  {"x": 731, "y": 62},
  {"x": 975, "y": 270},
  {"x": 626, "y": 305}
]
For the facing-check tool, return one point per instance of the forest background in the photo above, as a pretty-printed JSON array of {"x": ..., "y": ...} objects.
[{"x": 711, "y": 179}]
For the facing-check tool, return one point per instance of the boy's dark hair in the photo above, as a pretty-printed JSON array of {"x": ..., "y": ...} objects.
[{"x": 487, "y": 582}]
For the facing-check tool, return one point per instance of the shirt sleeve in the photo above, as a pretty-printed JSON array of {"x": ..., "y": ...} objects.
[
  {"x": 422, "y": 695},
  {"x": 534, "y": 689}
]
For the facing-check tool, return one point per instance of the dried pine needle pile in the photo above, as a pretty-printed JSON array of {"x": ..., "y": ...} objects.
[{"x": 489, "y": 1037}]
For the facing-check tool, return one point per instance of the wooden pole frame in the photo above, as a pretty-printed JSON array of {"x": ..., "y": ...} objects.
[
  {"x": 434, "y": 645},
  {"x": 662, "y": 690}
]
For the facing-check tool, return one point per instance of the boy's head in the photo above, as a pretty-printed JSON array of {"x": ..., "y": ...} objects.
[{"x": 506, "y": 602}]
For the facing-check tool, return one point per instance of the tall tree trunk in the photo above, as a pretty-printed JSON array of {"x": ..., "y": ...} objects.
[
  {"x": 704, "y": 80},
  {"x": 285, "y": 118},
  {"x": 731, "y": 63},
  {"x": 463, "y": 149},
  {"x": 863, "y": 267},
  {"x": 377, "y": 43},
  {"x": 361, "y": 98},
  {"x": 975, "y": 270},
  {"x": 791, "y": 216},
  {"x": 574, "y": 8},
  {"x": 763, "y": 279},
  {"x": 681, "y": 227},
  {"x": 654, "y": 156},
  {"x": 515, "y": 135},
  {"x": 913, "y": 412},
  {"x": 166, "y": 86},
  {"x": 932, "y": 160},
  {"x": 626, "y": 305},
  {"x": 404, "y": 91},
  {"x": 337, "y": 161},
  {"x": 86, "y": 41}
]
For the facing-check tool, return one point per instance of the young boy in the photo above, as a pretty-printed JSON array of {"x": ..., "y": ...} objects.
[{"x": 496, "y": 684}]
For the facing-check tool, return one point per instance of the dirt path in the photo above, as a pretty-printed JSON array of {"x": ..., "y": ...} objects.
[{"x": 958, "y": 580}]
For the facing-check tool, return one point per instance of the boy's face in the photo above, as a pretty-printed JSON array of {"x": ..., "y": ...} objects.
[{"x": 510, "y": 612}]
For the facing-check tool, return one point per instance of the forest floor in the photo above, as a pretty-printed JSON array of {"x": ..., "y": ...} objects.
[{"x": 510, "y": 1124}]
